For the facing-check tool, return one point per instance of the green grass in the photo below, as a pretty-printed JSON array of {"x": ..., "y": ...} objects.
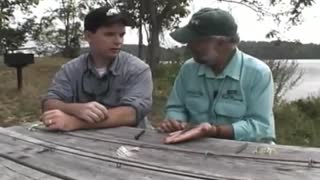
[
  {"x": 19, "y": 107},
  {"x": 297, "y": 123}
]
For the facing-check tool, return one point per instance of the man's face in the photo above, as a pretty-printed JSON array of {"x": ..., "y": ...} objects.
[
  {"x": 204, "y": 50},
  {"x": 106, "y": 42}
]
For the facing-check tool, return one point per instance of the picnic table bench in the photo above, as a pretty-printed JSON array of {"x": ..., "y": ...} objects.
[{"x": 118, "y": 153}]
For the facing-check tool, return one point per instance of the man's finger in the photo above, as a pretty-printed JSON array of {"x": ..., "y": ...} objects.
[
  {"x": 176, "y": 125},
  {"x": 172, "y": 136},
  {"x": 187, "y": 136},
  {"x": 53, "y": 127},
  {"x": 88, "y": 119},
  {"x": 103, "y": 109},
  {"x": 93, "y": 117},
  {"x": 175, "y": 133},
  {"x": 99, "y": 113},
  {"x": 168, "y": 127},
  {"x": 183, "y": 125},
  {"x": 50, "y": 112},
  {"x": 163, "y": 127},
  {"x": 48, "y": 116},
  {"x": 48, "y": 122}
]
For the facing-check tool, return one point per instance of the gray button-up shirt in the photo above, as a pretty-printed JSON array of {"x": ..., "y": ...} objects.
[{"x": 128, "y": 82}]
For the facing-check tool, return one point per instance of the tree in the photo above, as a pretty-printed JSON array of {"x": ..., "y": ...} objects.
[
  {"x": 165, "y": 14},
  {"x": 156, "y": 16},
  {"x": 14, "y": 35},
  {"x": 289, "y": 12},
  {"x": 286, "y": 75},
  {"x": 61, "y": 29}
]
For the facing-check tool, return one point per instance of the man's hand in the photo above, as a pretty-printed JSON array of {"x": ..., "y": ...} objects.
[
  {"x": 91, "y": 112},
  {"x": 171, "y": 126},
  {"x": 202, "y": 130},
  {"x": 58, "y": 120}
]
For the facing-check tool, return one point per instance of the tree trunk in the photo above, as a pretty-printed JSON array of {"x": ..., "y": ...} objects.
[
  {"x": 140, "y": 48},
  {"x": 67, "y": 8},
  {"x": 153, "y": 47},
  {"x": 2, "y": 50}
]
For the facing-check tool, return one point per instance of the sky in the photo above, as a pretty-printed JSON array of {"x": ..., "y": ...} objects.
[{"x": 250, "y": 28}]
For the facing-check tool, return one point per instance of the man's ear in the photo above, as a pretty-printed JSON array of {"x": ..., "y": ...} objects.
[{"x": 87, "y": 35}]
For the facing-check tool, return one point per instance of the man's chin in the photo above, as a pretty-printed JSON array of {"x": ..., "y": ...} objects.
[
  {"x": 111, "y": 55},
  {"x": 200, "y": 61}
]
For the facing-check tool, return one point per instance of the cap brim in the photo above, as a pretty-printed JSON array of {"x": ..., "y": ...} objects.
[{"x": 184, "y": 35}]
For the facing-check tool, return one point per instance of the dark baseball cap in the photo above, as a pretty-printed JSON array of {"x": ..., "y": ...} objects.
[
  {"x": 103, "y": 17},
  {"x": 207, "y": 22}
]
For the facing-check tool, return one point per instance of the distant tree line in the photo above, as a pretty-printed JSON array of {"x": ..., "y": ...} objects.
[
  {"x": 262, "y": 50},
  {"x": 281, "y": 50}
]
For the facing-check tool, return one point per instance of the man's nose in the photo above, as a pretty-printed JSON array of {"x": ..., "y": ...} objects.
[{"x": 118, "y": 40}]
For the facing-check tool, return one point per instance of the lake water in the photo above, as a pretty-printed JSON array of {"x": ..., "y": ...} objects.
[{"x": 310, "y": 83}]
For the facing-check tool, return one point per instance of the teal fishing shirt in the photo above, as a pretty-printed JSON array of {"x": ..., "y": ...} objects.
[{"x": 241, "y": 96}]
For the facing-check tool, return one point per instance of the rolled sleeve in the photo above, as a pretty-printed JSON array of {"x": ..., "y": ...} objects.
[
  {"x": 175, "y": 108},
  {"x": 138, "y": 93},
  {"x": 258, "y": 124},
  {"x": 60, "y": 87}
]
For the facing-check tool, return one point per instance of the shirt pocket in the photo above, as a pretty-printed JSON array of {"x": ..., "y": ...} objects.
[
  {"x": 197, "y": 105},
  {"x": 113, "y": 98},
  {"x": 231, "y": 108}
]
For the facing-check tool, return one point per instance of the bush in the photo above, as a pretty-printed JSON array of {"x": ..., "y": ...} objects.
[{"x": 297, "y": 123}]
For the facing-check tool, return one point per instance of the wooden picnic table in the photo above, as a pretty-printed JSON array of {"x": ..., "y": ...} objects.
[{"x": 29, "y": 154}]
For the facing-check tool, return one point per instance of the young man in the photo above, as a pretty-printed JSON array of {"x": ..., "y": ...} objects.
[
  {"x": 221, "y": 92},
  {"x": 103, "y": 88}
]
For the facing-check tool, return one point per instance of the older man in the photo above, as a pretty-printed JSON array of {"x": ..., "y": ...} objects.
[{"x": 221, "y": 92}]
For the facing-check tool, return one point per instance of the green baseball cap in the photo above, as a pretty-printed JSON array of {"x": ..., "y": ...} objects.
[{"x": 206, "y": 22}]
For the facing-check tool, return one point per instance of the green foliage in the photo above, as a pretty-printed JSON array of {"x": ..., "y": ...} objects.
[
  {"x": 169, "y": 12},
  {"x": 60, "y": 29},
  {"x": 298, "y": 122},
  {"x": 11, "y": 37},
  {"x": 285, "y": 12},
  {"x": 163, "y": 80},
  {"x": 281, "y": 50},
  {"x": 309, "y": 106},
  {"x": 155, "y": 16},
  {"x": 286, "y": 75}
]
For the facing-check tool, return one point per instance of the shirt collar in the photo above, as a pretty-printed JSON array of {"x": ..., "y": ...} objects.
[
  {"x": 114, "y": 68},
  {"x": 232, "y": 70}
]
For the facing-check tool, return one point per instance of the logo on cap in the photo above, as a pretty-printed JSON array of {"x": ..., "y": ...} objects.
[
  {"x": 195, "y": 22},
  {"x": 112, "y": 11}
]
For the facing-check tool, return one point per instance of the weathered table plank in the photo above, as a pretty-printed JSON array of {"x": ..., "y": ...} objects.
[
  {"x": 10, "y": 170},
  {"x": 218, "y": 146},
  {"x": 70, "y": 165},
  {"x": 106, "y": 142}
]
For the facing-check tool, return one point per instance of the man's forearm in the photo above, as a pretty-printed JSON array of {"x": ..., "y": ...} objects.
[
  {"x": 122, "y": 116},
  {"x": 69, "y": 108},
  {"x": 119, "y": 116}
]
